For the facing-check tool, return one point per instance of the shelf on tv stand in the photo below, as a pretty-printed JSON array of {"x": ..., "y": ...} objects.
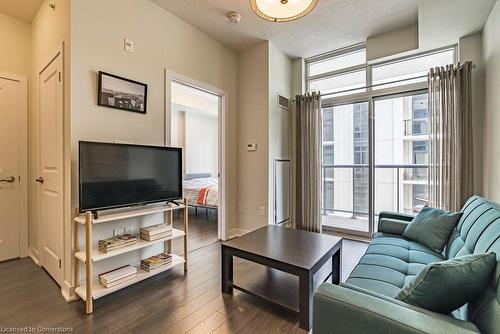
[
  {"x": 99, "y": 291},
  {"x": 99, "y": 256},
  {"x": 130, "y": 213}
]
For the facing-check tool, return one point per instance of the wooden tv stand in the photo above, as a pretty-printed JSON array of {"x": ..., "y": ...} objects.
[{"x": 91, "y": 289}]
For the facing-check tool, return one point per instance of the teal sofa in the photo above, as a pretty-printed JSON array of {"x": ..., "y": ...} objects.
[{"x": 365, "y": 302}]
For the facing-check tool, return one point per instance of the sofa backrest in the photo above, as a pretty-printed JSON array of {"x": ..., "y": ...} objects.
[{"x": 478, "y": 231}]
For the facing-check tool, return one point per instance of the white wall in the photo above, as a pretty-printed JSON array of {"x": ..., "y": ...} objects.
[
  {"x": 491, "y": 56},
  {"x": 201, "y": 143},
  {"x": 298, "y": 87},
  {"x": 16, "y": 34},
  {"x": 161, "y": 41},
  {"x": 391, "y": 43},
  {"x": 253, "y": 120},
  {"x": 194, "y": 126},
  {"x": 280, "y": 82}
]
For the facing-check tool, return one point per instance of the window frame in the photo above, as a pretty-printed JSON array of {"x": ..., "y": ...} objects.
[{"x": 369, "y": 95}]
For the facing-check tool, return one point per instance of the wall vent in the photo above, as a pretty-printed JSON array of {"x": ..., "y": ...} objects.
[{"x": 283, "y": 102}]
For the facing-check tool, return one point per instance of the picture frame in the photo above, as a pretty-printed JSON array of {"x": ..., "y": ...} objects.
[{"x": 121, "y": 93}]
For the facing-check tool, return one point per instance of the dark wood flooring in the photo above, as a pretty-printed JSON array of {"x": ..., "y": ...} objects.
[
  {"x": 171, "y": 302},
  {"x": 202, "y": 228}
]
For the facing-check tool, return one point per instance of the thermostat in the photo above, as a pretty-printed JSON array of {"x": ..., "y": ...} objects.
[{"x": 251, "y": 147}]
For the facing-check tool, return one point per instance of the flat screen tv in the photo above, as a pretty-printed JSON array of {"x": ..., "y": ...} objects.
[{"x": 120, "y": 175}]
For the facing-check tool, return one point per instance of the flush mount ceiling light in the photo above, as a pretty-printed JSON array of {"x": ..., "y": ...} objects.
[{"x": 282, "y": 10}]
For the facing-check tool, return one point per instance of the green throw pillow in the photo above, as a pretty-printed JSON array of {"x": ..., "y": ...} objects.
[
  {"x": 432, "y": 227},
  {"x": 445, "y": 286}
]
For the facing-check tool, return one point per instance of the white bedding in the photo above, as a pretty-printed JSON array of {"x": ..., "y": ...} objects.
[{"x": 203, "y": 191}]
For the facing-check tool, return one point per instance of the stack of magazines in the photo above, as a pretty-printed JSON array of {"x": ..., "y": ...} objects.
[
  {"x": 116, "y": 242},
  {"x": 155, "y": 232},
  {"x": 156, "y": 261},
  {"x": 117, "y": 276}
]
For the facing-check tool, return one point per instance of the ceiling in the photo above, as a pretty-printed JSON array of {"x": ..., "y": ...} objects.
[
  {"x": 334, "y": 24},
  {"x": 331, "y": 25},
  {"x": 24, "y": 10},
  {"x": 462, "y": 18}
]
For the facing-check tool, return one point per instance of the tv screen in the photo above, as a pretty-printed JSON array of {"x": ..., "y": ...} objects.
[{"x": 119, "y": 175}]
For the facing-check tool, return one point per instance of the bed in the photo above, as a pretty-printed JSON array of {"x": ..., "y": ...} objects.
[{"x": 201, "y": 191}]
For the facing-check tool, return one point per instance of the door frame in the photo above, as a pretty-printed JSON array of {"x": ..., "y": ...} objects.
[
  {"x": 170, "y": 77},
  {"x": 23, "y": 163}
]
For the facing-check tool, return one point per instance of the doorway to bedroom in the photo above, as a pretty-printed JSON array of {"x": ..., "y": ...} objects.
[{"x": 194, "y": 120}]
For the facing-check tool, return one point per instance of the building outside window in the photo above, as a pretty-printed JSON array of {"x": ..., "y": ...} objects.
[{"x": 397, "y": 133}]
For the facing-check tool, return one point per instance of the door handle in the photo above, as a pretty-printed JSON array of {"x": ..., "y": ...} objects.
[
  {"x": 39, "y": 179},
  {"x": 8, "y": 179}
]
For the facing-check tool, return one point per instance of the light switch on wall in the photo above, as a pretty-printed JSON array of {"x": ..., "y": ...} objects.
[
  {"x": 128, "y": 45},
  {"x": 262, "y": 211}
]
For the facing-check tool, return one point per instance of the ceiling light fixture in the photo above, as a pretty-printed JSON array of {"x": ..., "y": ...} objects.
[{"x": 282, "y": 10}]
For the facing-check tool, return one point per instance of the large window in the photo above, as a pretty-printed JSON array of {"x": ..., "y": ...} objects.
[
  {"x": 408, "y": 68},
  {"x": 394, "y": 177}
]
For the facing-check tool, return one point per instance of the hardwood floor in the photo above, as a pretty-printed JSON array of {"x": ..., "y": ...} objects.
[
  {"x": 172, "y": 302},
  {"x": 202, "y": 228}
]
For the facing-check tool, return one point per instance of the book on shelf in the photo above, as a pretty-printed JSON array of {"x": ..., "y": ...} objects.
[
  {"x": 117, "y": 276},
  {"x": 156, "y": 236},
  {"x": 116, "y": 242},
  {"x": 156, "y": 229},
  {"x": 156, "y": 261}
]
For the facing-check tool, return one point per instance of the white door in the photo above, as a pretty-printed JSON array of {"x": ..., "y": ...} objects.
[
  {"x": 51, "y": 167},
  {"x": 10, "y": 145}
]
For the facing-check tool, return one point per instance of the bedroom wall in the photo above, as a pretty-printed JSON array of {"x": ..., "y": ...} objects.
[
  {"x": 194, "y": 127},
  {"x": 201, "y": 143},
  {"x": 491, "y": 125},
  {"x": 178, "y": 135},
  {"x": 161, "y": 41}
]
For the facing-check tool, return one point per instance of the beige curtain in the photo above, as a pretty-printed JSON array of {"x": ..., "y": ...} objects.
[
  {"x": 308, "y": 162},
  {"x": 450, "y": 136}
]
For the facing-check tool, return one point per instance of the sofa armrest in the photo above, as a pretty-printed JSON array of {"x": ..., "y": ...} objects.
[
  {"x": 393, "y": 222},
  {"x": 395, "y": 215},
  {"x": 340, "y": 309},
  {"x": 392, "y": 226}
]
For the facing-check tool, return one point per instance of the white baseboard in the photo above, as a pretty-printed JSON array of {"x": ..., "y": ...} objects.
[
  {"x": 236, "y": 232},
  {"x": 34, "y": 255},
  {"x": 68, "y": 292}
]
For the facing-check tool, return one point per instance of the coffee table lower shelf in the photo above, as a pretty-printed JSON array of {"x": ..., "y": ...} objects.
[{"x": 271, "y": 285}]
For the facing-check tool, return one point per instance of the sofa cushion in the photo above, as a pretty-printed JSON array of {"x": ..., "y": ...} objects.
[
  {"x": 432, "y": 227},
  {"x": 447, "y": 285},
  {"x": 389, "y": 263}
]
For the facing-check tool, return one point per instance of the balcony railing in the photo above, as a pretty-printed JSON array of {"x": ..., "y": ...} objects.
[{"x": 410, "y": 177}]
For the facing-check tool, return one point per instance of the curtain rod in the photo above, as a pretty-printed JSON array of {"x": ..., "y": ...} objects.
[{"x": 376, "y": 85}]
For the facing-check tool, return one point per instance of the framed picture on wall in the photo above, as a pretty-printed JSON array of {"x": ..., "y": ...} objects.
[{"x": 121, "y": 93}]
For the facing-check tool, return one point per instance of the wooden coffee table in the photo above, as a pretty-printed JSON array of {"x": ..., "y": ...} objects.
[{"x": 288, "y": 256}]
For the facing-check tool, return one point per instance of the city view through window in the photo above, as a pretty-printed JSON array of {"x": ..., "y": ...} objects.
[{"x": 399, "y": 134}]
